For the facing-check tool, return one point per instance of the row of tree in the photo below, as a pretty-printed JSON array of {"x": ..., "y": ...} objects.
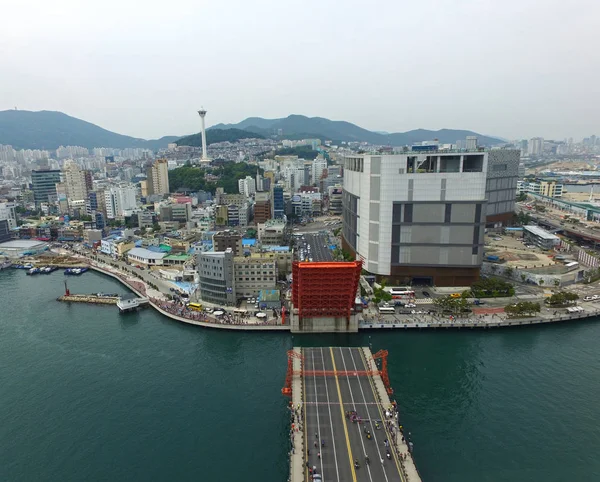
[
  {"x": 492, "y": 288},
  {"x": 562, "y": 298},
  {"x": 453, "y": 305},
  {"x": 523, "y": 308}
]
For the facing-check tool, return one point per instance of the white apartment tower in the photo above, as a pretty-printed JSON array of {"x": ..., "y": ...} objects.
[
  {"x": 247, "y": 186},
  {"x": 119, "y": 200},
  {"x": 318, "y": 166}
]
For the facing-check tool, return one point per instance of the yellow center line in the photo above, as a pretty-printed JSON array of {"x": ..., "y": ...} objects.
[
  {"x": 303, "y": 406},
  {"x": 350, "y": 457},
  {"x": 383, "y": 420}
]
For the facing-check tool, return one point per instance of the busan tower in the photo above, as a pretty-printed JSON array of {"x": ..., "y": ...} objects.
[{"x": 202, "y": 114}]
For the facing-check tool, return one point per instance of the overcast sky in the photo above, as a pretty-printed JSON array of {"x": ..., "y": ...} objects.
[{"x": 512, "y": 68}]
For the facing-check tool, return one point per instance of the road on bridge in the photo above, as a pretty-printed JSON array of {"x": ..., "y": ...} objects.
[{"x": 327, "y": 399}]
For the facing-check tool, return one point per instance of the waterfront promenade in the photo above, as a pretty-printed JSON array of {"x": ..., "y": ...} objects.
[{"x": 176, "y": 310}]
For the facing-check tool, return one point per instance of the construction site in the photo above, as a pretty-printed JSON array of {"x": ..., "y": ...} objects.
[{"x": 344, "y": 425}]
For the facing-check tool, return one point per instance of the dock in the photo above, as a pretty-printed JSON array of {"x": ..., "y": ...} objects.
[
  {"x": 93, "y": 299},
  {"x": 342, "y": 415}
]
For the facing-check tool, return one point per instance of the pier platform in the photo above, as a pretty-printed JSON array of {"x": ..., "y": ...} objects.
[
  {"x": 343, "y": 395},
  {"x": 131, "y": 302}
]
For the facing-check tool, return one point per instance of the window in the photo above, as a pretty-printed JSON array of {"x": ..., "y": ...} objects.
[
  {"x": 499, "y": 167},
  {"x": 408, "y": 213}
]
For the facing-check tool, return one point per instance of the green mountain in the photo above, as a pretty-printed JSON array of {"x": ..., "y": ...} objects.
[
  {"x": 218, "y": 135},
  {"x": 326, "y": 129},
  {"x": 49, "y": 130}
]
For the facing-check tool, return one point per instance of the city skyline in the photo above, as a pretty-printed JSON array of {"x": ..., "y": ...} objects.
[{"x": 145, "y": 73}]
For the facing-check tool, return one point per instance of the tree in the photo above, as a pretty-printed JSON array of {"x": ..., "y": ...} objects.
[
  {"x": 509, "y": 271},
  {"x": 562, "y": 298},
  {"x": 522, "y": 197},
  {"x": 541, "y": 282},
  {"x": 523, "y": 277},
  {"x": 156, "y": 227},
  {"x": 523, "y": 308},
  {"x": 492, "y": 287},
  {"x": 556, "y": 282}
]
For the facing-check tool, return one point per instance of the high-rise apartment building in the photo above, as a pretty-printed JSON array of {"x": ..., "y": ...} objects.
[
  {"x": 247, "y": 186},
  {"x": 536, "y": 146},
  {"x": 78, "y": 182},
  {"x": 318, "y": 166},
  {"x": 43, "y": 183},
  {"x": 157, "y": 178},
  {"x": 119, "y": 200},
  {"x": 471, "y": 144}
]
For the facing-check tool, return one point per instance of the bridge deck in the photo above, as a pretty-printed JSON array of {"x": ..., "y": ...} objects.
[{"x": 337, "y": 380}]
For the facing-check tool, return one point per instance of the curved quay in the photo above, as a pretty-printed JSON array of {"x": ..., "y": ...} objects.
[
  {"x": 205, "y": 324},
  {"x": 365, "y": 324}
]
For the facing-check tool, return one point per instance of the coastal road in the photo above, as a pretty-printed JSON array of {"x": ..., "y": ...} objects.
[{"x": 327, "y": 399}]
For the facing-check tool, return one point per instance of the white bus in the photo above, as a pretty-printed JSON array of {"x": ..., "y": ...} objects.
[
  {"x": 387, "y": 310},
  {"x": 401, "y": 293}
]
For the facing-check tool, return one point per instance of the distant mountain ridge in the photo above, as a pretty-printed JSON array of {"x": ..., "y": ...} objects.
[
  {"x": 326, "y": 129},
  {"x": 49, "y": 130}
]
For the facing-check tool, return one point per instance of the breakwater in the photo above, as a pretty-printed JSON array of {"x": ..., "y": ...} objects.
[{"x": 93, "y": 299}]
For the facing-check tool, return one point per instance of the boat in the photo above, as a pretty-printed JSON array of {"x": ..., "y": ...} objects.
[
  {"x": 5, "y": 264},
  {"x": 33, "y": 271}
]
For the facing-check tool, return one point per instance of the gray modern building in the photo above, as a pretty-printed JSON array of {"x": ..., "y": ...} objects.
[
  {"x": 417, "y": 217},
  {"x": 501, "y": 185},
  {"x": 44, "y": 182},
  {"x": 216, "y": 273}
]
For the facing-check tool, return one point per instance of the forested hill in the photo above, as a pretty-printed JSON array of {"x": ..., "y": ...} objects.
[
  {"x": 192, "y": 178},
  {"x": 217, "y": 135}
]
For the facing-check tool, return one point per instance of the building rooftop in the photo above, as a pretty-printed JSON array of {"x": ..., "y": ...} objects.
[
  {"x": 177, "y": 257},
  {"x": 542, "y": 233},
  {"x": 268, "y": 295},
  {"x": 22, "y": 244},
  {"x": 146, "y": 253}
]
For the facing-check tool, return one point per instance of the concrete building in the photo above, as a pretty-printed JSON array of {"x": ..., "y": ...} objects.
[
  {"x": 247, "y": 186},
  {"x": 501, "y": 186},
  {"x": 157, "y": 181},
  {"x": 224, "y": 240},
  {"x": 43, "y": 182},
  {"x": 272, "y": 232},
  {"x": 119, "y": 200},
  {"x": 143, "y": 256},
  {"x": 535, "y": 146},
  {"x": 471, "y": 144},
  {"x": 319, "y": 165},
  {"x": 418, "y": 216},
  {"x": 540, "y": 237},
  {"x": 262, "y": 207},
  {"x": 282, "y": 255},
  {"x": 5, "y": 234},
  {"x": 91, "y": 236},
  {"x": 216, "y": 277},
  {"x": 545, "y": 188},
  {"x": 253, "y": 275},
  {"x": 78, "y": 182},
  {"x": 116, "y": 246},
  {"x": 335, "y": 200},
  {"x": 8, "y": 214}
]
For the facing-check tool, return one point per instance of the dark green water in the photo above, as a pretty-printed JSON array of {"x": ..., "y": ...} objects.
[{"x": 88, "y": 395}]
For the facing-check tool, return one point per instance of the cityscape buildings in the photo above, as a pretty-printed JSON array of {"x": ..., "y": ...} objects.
[{"x": 43, "y": 183}]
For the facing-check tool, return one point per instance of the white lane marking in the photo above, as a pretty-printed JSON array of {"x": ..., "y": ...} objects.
[{"x": 330, "y": 422}]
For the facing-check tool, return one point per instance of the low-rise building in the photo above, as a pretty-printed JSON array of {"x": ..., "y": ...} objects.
[
  {"x": 272, "y": 232},
  {"x": 253, "y": 274},
  {"x": 282, "y": 255},
  {"x": 116, "y": 246},
  {"x": 540, "y": 237},
  {"x": 224, "y": 240},
  {"x": 145, "y": 257},
  {"x": 91, "y": 236},
  {"x": 269, "y": 299}
]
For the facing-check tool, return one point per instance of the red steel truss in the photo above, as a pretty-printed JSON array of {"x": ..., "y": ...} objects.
[
  {"x": 325, "y": 289},
  {"x": 383, "y": 373}
]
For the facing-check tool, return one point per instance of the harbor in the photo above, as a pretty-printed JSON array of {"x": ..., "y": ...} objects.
[{"x": 344, "y": 426}]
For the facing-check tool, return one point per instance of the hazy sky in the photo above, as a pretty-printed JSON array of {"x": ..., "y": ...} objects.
[{"x": 512, "y": 68}]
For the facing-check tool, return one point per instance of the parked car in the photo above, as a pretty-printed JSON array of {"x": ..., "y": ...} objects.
[
  {"x": 410, "y": 305},
  {"x": 426, "y": 294}
]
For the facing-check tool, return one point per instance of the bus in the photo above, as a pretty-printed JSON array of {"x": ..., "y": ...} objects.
[
  {"x": 195, "y": 306},
  {"x": 387, "y": 310},
  {"x": 401, "y": 293}
]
